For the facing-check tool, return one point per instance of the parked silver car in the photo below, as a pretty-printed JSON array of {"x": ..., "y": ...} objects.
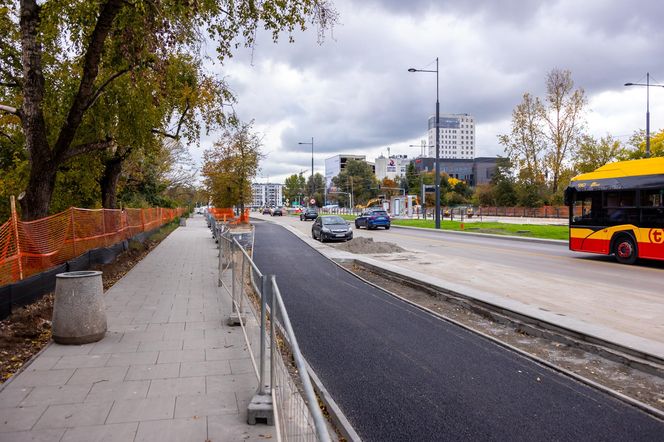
[{"x": 331, "y": 228}]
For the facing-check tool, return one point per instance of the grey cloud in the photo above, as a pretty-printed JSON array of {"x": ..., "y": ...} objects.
[{"x": 354, "y": 92}]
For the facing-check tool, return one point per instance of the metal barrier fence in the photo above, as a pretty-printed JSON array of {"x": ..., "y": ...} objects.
[
  {"x": 257, "y": 306},
  {"x": 30, "y": 247},
  {"x": 456, "y": 212}
]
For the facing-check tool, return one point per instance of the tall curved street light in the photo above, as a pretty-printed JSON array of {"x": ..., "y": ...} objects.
[
  {"x": 647, "y": 85},
  {"x": 312, "y": 166},
  {"x": 437, "y": 122}
]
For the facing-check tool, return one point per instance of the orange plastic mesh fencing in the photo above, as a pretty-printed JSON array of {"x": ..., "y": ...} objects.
[{"x": 29, "y": 247}]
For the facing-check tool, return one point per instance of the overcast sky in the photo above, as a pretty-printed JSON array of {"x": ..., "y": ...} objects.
[{"x": 353, "y": 93}]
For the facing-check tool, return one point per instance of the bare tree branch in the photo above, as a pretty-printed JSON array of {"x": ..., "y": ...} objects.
[
  {"x": 175, "y": 136},
  {"x": 101, "y": 88},
  {"x": 2, "y": 83},
  {"x": 7, "y": 136},
  {"x": 9, "y": 109},
  {"x": 164, "y": 134}
]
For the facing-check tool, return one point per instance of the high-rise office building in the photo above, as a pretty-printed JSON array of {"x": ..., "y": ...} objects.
[{"x": 457, "y": 136}]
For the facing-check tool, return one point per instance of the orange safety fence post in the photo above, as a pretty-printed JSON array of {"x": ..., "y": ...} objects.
[
  {"x": 18, "y": 244},
  {"x": 73, "y": 232}
]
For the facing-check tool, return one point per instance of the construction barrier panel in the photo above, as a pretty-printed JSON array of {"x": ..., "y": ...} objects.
[
  {"x": 227, "y": 214},
  {"x": 31, "y": 247}
]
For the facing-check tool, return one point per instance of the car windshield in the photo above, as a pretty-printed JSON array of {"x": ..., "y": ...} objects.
[
  {"x": 379, "y": 213},
  {"x": 333, "y": 220}
]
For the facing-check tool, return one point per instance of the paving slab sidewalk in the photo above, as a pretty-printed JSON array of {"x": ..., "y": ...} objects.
[{"x": 168, "y": 369}]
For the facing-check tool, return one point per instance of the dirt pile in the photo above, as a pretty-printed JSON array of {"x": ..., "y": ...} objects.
[{"x": 367, "y": 246}]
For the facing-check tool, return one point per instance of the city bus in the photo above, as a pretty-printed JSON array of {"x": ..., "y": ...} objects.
[{"x": 618, "y": 209}]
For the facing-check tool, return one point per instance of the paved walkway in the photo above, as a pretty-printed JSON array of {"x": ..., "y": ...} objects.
[{"x": 169, "y": 369}]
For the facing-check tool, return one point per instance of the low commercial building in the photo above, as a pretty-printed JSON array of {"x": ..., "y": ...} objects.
[
  {"x": 472, "y": 171},
  {"x": 391, "y": 167}
]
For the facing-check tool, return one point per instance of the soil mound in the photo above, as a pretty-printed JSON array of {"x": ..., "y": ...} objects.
[{"x": 366, "y": 246}]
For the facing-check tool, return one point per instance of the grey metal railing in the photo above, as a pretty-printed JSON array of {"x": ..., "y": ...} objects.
[{"x": 258, "y": 307}]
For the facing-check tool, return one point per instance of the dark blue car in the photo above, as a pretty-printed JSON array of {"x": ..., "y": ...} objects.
[{"x": 372, "y": 219}]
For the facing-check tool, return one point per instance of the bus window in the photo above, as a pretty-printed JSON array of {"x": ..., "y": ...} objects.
[
  {"x": 586, "y": 208},
  {"x": 651, "y": 197},
  {"x": 620, "y": 199}
]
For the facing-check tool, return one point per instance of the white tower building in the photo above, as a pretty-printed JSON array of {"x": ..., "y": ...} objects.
[{"x": 457, "y": 136}]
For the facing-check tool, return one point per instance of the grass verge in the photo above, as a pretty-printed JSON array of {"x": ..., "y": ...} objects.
[{"x": 543, "y": 231}]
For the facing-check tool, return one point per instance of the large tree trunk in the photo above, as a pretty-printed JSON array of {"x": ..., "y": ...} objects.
[
  {"x": 43, "y": 169},
  {"x": 109, "y": 182},
  {"x": 46, "y": 159},
  {"x": 35, "y": 203}
]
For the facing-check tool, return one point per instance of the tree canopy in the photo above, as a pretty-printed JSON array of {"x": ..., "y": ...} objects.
[
  {"x": 230, "y": 166},
  {"x": 112, "y": 78}
]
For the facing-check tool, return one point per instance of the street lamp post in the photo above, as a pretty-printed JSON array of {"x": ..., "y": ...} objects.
[
  {"x": 647, "y": 85},
  {"x": 312, "y": 165},
  {"x": 436, "y": 124}
]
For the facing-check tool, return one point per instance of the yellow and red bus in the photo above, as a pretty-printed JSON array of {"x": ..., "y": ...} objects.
[{"x": 618, "y": 209}]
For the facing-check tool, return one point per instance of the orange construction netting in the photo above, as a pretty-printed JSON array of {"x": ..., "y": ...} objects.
[{"x": 29, "y": 247}]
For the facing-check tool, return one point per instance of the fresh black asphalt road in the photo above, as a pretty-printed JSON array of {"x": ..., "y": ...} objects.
[{"x": 401, "y": 374}]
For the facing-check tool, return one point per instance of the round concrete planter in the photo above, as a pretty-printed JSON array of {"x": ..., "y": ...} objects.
[{"x": 79, "y": 316}]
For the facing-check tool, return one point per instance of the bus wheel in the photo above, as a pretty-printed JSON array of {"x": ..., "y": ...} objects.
[{"x": 624, "y": 249}]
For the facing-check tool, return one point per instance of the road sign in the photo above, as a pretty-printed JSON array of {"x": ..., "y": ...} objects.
[{"x": 312, "y": 201}]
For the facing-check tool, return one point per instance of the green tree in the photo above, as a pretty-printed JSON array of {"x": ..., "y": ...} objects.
[
  {"x": 525, "y": 145},
  {"x": 59, "y": 57},
  {"x": 563, "y": 121},
  {"x": 412, "y": 179},
  {"x": 356, "y": 178},
  {"x": 231, "y": 164},
  {"x": 317, "y": 184},
  {"x": 544, "y": 133},
  {"x": 593, "y": 153},
  {"x": 638, "y": 143},
  {"x": 139, "y": 115},
  {"x": 504, "y": 186},
  {"x": 294, "y": 187}
]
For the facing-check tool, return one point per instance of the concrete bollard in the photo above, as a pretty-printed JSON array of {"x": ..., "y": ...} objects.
[
  {"x": 183, "y": 221},
  {"x": 79, "y": 316}
]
